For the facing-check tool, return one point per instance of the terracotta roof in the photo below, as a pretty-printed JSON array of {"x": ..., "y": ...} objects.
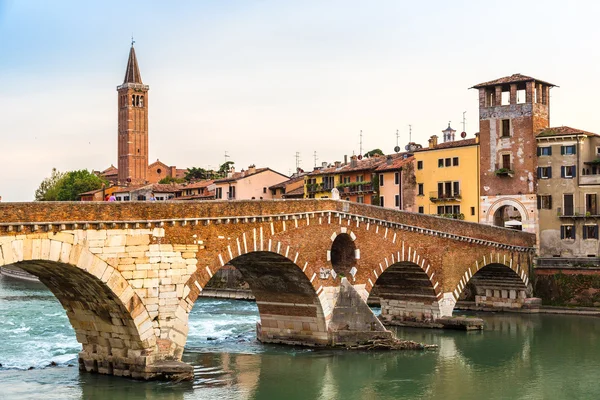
[
  {"x": 514, "y": 78},
  {"x": 296, "y": 192},
  {"x": 449, "y": 145},
  {"x": 200, "y": 184},
  {"x": 155, "y": 188},
  {"x": 361, "y": 165},
  {"x": 206, "y": 196},
  {"x": 91, "y": 192},
  {"x": 564, "y": 130},
  {"x": 242, "y": 175},
  {"x": 283, "y": 184},
  {"x": 132, "y": 73},
  {"x": 397, "y": 163}
]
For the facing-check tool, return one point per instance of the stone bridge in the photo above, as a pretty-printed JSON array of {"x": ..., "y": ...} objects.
[{"x": 128, "y": 274}]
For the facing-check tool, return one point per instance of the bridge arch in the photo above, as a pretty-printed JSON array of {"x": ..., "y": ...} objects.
[
  {"x": 499, "y": 281},
  {"x": 109, "y": 318}
]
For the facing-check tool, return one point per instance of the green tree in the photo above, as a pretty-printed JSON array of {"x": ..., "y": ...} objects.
[
  {"x": 373, "y": 152},
  {"x": 47, "y": 191},
  {"x": 196, "y": 173},
  {"x": 225, "y": 167},
  {"x": 68, "y": 186},
  {"x": 169, "y": 179}
]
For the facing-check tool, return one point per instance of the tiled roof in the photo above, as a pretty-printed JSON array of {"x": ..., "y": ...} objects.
[
  {"x": 515, "y": 78},
  {"x": 200, "y": 184},
  {"x": 155, "y": 188},
  {"x": 206, "y": 196},
  {"x": 242, "y": 175},
  {"x": 283, "y": 184},
  {"x": 132, "y": 73},
  {"x": 296, "y": 192},
  {"x": 397, "y": 163},
  {"x": 361, "y": 165},
  {"x": 564, "y": 130},
  {"x": 449, "y": 145}
]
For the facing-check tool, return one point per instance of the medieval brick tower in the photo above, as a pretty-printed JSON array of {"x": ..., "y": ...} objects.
[
  {"x": 512, "y": 110},
  {"x": 133, "y": 125}
]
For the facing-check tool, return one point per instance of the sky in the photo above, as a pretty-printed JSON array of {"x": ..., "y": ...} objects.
[{"x": 264, "y": 80}]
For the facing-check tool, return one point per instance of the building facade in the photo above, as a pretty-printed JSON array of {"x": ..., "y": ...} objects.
[
  {"x": 568, "y": 180},
  {"x": 396, "y": 182},
  {"x": 447, "y": 178},
  {"x": 511, "y": 111},
  {"x": 252, "y": 184}
]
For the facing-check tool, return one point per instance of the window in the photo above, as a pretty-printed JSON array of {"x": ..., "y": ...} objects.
[
  {"x": 455, "y": 211},
  {"x": 544, "y": 201},
  {"x": 440, "y": 210},
  {"x": 381, "y": 202},
  {"x": 455, "y": 162},
  {"x": 421, "y": 190},
  {"x": 456, "y": 188},
  {"x": 568, "y": 150},
  {"x": 505, "y": 128},
  {"x": 397, "y": 200},
  {"x": 360, "y": 199},
  {"x": 231, "y": 194},
  {"x": 568, "y": 171},
  {"x": 420, "y": 164},
  {"x": 264, "y": 190},
  {"x": 597, "y": 151},
  {"x": 472, "y": 210},
  {"x": 448, "y": 162},
  {"x": 440, "y": 163},
  {"x": 590, "y": 204},
  {"x": 567, "y": 232},
  {"x": 218, "y": 193},
  {"x": 506, "y": 161},
  {"x": 544, "y": 151},
  {"x": 544, "y": 172},
  {"x": 421, "y": 210},
  {"x": 590, "y": 231},
  {"x": 360, "y": 178},
  {"x": 346, "y": 179},
  {"x": 568, "y": 204},
  {"x": 396, "y": 178},
  {"x": 380, "y": 179}
]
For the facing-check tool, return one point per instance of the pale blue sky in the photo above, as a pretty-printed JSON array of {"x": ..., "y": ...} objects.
[{"x": 264, "y": 79}]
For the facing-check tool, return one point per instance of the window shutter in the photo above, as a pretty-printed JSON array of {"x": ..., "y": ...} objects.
[
  {"x": 574, "y": 149},
  {"x": 585, "y": 236},
  {"x": 562, "y": 171},
  {"x": 539, "y": 151},
  {"x": 550, "y": 150},
  {"x": 562, "y": 232},
  {"x": 539, "y": 202},
  {"x": 562, "y": 150},
  {"x": 573, "y": 232},
  {"x": 574, "y": 172},
  {"x": 550, "y": 202},
  {"x": 539, "y": 172},
  {"x": 549, "y": 172}
]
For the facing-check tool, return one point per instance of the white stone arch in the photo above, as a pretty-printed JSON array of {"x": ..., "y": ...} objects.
[
  {"x": 54, "y": 249},
  {"x": 489, "y": 218}
]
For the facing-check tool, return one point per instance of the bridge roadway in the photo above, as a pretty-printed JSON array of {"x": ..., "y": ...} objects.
[{"x": 128, "y": 273}]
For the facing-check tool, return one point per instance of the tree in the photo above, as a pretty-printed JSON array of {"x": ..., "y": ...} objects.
[
  {"x": 47, "y": 191},
  {"x": 196, "y": 173},
  {"x": 373, "y": 152},
  {"x": 68, "y": 186},
  {"x": 169, "y": 179},
  {"x": 225, "y": 167}
]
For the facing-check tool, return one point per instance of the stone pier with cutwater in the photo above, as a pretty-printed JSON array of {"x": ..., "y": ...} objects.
[{"x": 128, "y": 274}]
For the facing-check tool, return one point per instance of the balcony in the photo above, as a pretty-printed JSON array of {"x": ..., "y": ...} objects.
[
  {"x": 439, "y": 196},
  {"x": 504, "y": 170},
  {"x": 355, "y": 187},
  {"x": 314, "y": 187},
  {"x": 578, "y": 212}
]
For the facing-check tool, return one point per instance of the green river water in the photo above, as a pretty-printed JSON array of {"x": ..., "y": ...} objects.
[{"x": 517, "y": 356}]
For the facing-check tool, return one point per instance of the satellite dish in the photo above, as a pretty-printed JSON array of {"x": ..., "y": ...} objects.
[
  {"x": 463, "y": 135},
  {"x": 397, "y": 149},
  {"x": 359, "y": 157},
  {"x": 407, "y": 147}
]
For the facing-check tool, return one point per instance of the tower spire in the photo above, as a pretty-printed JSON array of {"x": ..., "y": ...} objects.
[{"x": 132, "y": 73}]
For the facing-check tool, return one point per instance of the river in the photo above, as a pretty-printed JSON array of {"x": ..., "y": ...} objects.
[{"x": 517, "y": 356}]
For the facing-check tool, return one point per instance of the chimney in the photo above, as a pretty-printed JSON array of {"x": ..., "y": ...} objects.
[
  {"x": 388, "y": 160},
  {"x": 353, "y": 162},
  {"x": 338, "y": 164},
  {"x": 345, "y": 159},
  {"x": 243, "y": 173},
  {"x": 433, "y": 141},
  {"x": 324, "y": 164},
  {"x": 251, "y": 169}
]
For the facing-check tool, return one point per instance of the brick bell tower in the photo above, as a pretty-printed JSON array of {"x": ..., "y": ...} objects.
[
  {"x": 512, "y": 110},
  {"x": 133, "y": 125}
]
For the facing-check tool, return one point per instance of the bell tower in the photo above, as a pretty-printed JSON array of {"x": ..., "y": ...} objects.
[{"x": 133, "y": 125}]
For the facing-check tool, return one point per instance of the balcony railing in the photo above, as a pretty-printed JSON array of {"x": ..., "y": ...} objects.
[
  {"x": 578, "y": 212},
  {"x": 355, "y": 188},
  {"x": 440, "y": 196}
]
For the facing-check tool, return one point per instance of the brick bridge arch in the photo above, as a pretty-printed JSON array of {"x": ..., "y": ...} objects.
[{"x": 110, "y": 320}]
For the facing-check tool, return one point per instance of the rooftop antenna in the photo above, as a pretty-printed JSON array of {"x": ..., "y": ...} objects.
[
  {"x": 409, "y": 133},
  {"x": 397, "y": 148},
  {"x": 464, "y": 123},
  {"x": 315, "y": 157},
  {"x": 226, "y": 156},
  {"x": 297, "y": 160},
  {"x": 360, "y": 152}
]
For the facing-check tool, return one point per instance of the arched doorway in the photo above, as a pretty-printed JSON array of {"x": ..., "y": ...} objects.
[{"x": 508, "y": 216}]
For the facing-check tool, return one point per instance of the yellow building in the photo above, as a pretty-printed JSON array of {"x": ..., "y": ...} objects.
[
  {"x": 447, "y": 178},
  {"x": 318, "y": 184}
]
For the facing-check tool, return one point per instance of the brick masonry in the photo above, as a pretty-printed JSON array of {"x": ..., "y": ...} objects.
[{"x": 129, "y": 273}]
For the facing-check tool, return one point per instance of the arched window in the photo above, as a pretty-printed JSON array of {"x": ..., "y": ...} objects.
[
  {"x": 141, "y": 101},
  {"x": 133, "y": 100}
]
